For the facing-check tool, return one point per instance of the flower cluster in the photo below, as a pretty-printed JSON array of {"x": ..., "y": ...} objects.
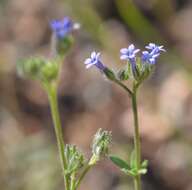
[
  {"x": 63, "y": 27},
  {"x": 130, "y": 55},
  {"x": 100, "y": 145},
  {"x": 62, "y": 39},
  {"x": 39, "y": 68},
  {"x": 153, "y": 53},
  {"x": 140, "y": 66},
  {"x": 74, "y": 158}
]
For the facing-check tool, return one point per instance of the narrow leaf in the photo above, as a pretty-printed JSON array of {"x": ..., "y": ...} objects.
[{"x": 119, "y": 162}]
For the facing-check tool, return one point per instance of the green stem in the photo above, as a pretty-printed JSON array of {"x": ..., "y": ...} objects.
[
  {"x": 52, "y": 94},
  {"x": 137, "y": 146},
  {"x": 123, "y": 86},
  {"x": 137, "y": 180},
  {"x": 72, "y": 187},
  {"x": 87, "y": 168}
]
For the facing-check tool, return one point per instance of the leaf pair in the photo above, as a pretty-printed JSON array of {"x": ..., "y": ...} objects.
[{"x": 130, "y": 169}]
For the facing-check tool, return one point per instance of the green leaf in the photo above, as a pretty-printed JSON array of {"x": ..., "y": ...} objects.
[
  {"x": 144, "y": 164},
  {"x": 119, "y": 162}
]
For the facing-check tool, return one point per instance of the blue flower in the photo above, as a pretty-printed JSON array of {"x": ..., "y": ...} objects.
[
  {"x": 153, "y": 53},
  {"x": 63, "y": 27},
  {"x": 130, "y": 55},
  {"x": 94, "y": 60},
  {"x": 154, "y": 47}
]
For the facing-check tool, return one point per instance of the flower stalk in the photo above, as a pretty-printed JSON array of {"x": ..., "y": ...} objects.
[
  {"x": 137, "y": 146},
  {"x": 52, "y": 95}
]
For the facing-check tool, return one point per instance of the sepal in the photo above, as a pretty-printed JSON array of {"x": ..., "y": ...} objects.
[
  {"x": 109, "y": 74},
  {"x": 123, "y": 74},
  {"x": 49, "y": 71},
  {"x": 143, "y": 70},
  {"x": 64, "y": 45}
]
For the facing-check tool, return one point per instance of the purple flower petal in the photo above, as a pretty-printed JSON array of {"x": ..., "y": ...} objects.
[
  {"x": 93, "y": 55},
  {"x": 124, "y": 57},
  {"x": 62, "y": 27},
  {"x": 88, "y": 66},
  {"x": 131, "y": 47},
  {"x": 87, "y": 61},
  {"x": 94, "y": 60},
  {"x": 124, "y": 50},
  {"x": 136, "y": 51}
]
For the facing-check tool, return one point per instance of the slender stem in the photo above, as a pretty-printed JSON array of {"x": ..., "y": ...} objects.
[
  {"x": 137, "y": 183},
  {"x": 137, "y": 180},
  {"x": 72, "y": 186},
  {"x": 87, "y": 168},
  {"x": 52, "y": 94},
  {"x": 123, "y": 86},
  {"x": 137, "y": 146}
]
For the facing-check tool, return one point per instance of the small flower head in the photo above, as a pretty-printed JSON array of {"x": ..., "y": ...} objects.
[
  {"x": 129, "y": 53},
  {"x": 31, "y": 67},
  {"x": 152, "y": 46},
  {"x": 100, "y": 145},
  {"x": 153, "y": 53},
  {"x": 39, "y": 68},
  {"x": 62, "y": 28},
  {"x": 94, "y": 60}
]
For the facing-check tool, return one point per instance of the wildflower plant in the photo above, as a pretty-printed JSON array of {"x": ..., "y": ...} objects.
[
  {"x": 137, "y": 69},
  {"x": 46, "y": 71}
]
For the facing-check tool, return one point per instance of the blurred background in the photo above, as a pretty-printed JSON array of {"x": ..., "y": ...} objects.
[{"x": 28, "y": 152}]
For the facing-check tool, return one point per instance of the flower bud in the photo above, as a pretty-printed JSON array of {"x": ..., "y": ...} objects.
[
  {"x": 39, "y": 68},
  {"x": 100, "y": 145},
  {"x": 74, "y": 158},
  {"x": 61, "y": 35},
  {"x": 123, "y": 74},
  {"x": 49, "y": 71},
  {"x": 31, "y": 67}
]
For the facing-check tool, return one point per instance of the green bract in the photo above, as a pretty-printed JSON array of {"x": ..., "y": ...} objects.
[{"x": 62, "y": 46}]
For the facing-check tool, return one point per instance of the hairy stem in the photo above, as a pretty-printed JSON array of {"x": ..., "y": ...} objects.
[
  {"x": 137, "y": 147},
  {"x": 52, "y": 95}
]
